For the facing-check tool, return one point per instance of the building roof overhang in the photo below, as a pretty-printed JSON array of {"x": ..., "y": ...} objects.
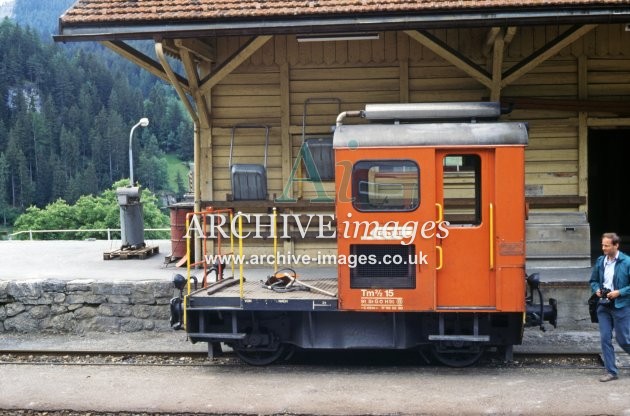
[{"x": 82, "y": 23}]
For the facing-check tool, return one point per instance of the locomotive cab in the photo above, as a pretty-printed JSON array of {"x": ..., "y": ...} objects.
[{"x": 431, "y": 205}]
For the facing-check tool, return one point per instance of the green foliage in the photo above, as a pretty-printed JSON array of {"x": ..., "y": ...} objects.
[
  {"x": 89, "y": 213},
  {"x": 177, "y": 174},
  {"x": 37, "y": 13},
  {"x": 66, "y": 113}
]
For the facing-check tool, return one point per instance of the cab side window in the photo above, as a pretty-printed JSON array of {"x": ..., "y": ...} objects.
[{"x": 462, "y": 189}]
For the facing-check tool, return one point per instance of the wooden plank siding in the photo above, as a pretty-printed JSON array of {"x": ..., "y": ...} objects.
[{"x": 396, "y": 68}]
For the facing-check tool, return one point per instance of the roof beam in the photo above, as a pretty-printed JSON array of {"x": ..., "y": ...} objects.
[
  {"x": 173, "y": 80},
  {"x": 509, "y": 35},
  {"x": 451, "y": 55},
  {"x": 169, "y": 47},
  {"x": 232, "y": 63},
  {"x": 142, "y": 60},
  {"x": 500, "y": 41},
  {"x": 199, "y": 48},
  {"x": 544, "y": 53},
  {"x": 193, "y": 77},
  {"x": 618, "y": 107},
  {"x": 490, "y": 38}
]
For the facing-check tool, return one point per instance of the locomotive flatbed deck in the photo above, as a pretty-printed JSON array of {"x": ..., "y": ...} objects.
[{"x": 313, "y": 294}]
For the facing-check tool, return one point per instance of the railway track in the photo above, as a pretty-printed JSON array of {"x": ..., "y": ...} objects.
[
  {"x": 100, "y": 357},
  {"x": 327, "y": 358}
]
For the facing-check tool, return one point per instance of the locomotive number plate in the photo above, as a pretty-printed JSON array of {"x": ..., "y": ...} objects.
[{"x": 381, "y": 299}]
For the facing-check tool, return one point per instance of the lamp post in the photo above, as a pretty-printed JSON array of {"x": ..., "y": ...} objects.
[{"x": 143, "y": 122}]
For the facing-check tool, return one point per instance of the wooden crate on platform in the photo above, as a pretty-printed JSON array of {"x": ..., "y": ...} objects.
[{"x": 124, "y": 254}]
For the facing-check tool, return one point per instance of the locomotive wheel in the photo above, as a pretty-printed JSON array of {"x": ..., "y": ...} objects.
[
  {"x": 289, "y": 351},
  {"x": 259, "y": 357},
  {"x": 455, "y": 357}
]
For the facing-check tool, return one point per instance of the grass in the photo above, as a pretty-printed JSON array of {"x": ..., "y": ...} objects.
[{"x": 176, "y": 165}]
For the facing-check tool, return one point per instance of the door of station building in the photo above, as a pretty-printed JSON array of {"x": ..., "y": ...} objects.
[{"x": 465, "y": 277}]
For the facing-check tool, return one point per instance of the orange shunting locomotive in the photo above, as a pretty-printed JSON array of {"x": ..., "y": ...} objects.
[{"x": 430, "y": 213}]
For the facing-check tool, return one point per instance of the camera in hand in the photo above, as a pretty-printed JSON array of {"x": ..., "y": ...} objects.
[{"x": 604, "y": 298}]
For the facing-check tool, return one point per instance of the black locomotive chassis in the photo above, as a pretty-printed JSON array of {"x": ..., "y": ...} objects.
[
  {"x": 343, "y": 329},
  {"x": 312, "y": 320}
]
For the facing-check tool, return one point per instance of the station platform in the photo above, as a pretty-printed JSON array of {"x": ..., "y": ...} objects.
[
  {"x": 73, "y": 260},
  {"x": 70, "y": 260}
]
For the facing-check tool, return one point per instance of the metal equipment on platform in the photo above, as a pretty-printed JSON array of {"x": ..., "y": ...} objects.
[{"x": 131, "y": 217}]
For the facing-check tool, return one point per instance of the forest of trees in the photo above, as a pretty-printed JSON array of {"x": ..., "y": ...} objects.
[{"x": 65, "y": 116}]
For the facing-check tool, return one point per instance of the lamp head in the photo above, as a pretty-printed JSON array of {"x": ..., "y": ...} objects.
[{"x": 144, "y": 122}]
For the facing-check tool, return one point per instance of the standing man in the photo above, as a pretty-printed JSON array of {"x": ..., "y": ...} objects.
[{"x": 610, "y": 280}]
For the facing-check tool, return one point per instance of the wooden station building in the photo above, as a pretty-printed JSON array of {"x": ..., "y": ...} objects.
[{"x": 563, "y": 66}]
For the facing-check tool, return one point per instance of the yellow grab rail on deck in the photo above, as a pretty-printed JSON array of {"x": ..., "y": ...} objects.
[{"x": 240, "y": 252}]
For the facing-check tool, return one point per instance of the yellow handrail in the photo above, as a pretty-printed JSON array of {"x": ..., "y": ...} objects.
[
  {"x": 185, "y": 301},
  {"x": 232, "y": 239},
  {"x": 240, "y": 251},
  {"x": 439, "y": 248},
  {"x": 275, "y": 241},
  {"x": 440, "y": 212},
  {"x": 491, "y": 236}
]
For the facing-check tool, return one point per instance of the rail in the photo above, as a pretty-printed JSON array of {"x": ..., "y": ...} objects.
[{"x": 109, "y": 231}]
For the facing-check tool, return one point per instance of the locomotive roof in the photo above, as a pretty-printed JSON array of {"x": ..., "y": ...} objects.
[
  {"x": 434, "y": 110},
  {"x": 354, "y": 136}
]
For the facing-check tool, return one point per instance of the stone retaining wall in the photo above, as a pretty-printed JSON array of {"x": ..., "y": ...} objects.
[{"x": 79, "y": 306}]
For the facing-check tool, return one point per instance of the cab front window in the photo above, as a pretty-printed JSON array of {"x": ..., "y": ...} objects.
[{"x": 385, "y": 185}]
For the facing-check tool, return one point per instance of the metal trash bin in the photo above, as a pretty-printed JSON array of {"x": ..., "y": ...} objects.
[{"x": 131, "y": 217}]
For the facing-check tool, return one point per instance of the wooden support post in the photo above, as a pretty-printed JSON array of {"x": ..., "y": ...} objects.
[
  {"x": 583, "y": 132},
  {"x": 287, "y": 145},
  {"x": 497, "y": 67},
  {"x": 403, "y": 58}
]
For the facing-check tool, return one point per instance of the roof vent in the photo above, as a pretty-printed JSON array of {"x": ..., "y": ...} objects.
[{"x": 434, "y": 111}]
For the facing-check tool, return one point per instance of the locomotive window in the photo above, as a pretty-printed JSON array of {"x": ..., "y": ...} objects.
[
  {"x": 385, "y": 185},
  {"x": 462, "y": 189}
]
